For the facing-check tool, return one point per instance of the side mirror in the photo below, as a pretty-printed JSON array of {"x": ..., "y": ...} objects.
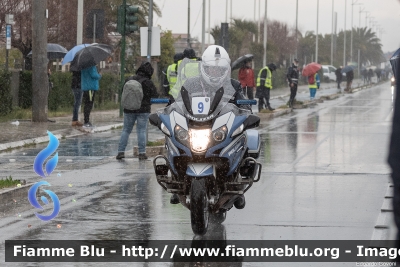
[
  {"x": 252, "y": 121},
  {"x": 155, "y": 120}
]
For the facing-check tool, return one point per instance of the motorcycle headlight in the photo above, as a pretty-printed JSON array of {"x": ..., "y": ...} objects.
[
  {"x": 165, "y": 130},
  {"x": 220, "y": 134},
  {"x": 238, "y": 131},
  {"x": 199, "y": 139},
  {"x": 181, "y": 134}
]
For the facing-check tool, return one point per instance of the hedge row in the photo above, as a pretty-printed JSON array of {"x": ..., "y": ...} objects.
[
  {"x": 60, "y": 95},
  {"x": 5, "y": 93}
]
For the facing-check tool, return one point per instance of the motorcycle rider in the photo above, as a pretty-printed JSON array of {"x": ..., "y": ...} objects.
[
  {"x": 293, "y": 80},
  {"x": 214, "y": 71},
  {"x": 170, "y": 74}
]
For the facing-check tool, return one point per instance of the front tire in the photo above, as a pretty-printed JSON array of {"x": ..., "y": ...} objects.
[
  {"x": 199, "y": 212},
  {"x": 218, "y": 218}
]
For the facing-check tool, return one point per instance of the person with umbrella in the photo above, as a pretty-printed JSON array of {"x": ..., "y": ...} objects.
[
  {"x": 339, "y": 77},
  {"x": 89, "y": 85},
  {"x": 313, "y": 84},
  {"x": 293, "y": 80},
  {"x": 246, "y": 78},
  {"x": 349, "y": 79},
  {"x": 264, "y": 85},
  {"x": 311, "y": 72}
]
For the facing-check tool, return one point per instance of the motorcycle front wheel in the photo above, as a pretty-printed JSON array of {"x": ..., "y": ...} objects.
[
  {"x": 199, "y": 212},
  {"x": 218, "y": 218}
]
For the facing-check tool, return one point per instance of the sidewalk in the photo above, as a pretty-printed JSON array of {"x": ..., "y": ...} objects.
[{"x": 27, "y": 132}]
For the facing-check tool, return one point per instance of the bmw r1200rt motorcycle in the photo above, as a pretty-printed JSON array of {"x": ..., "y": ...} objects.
[{"x": 211, "y": 151}]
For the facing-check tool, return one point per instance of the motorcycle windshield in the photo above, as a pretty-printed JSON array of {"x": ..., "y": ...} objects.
[{"x": 202, "y": 88}]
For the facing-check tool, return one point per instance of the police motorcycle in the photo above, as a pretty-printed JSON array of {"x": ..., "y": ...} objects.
[{"x": 211, "y": 150}]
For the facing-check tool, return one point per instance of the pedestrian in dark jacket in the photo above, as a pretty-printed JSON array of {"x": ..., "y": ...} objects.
[
  {"x": 89, "y": 85},
  {"x": 293, "y": 80},
  {"x": 349, "y": 79},
  {"x": 143, "y": 75},
  {"x": 364, "y": 73},
  {"x": 339, "y": 76},
  {"x": 370, "y": 75},
  {"x": 76, "y": 90}
]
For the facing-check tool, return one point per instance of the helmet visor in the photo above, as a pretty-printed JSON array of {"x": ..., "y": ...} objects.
[{"x": 214, "y": 71}]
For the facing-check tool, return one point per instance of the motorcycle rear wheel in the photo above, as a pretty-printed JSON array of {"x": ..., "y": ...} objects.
[{"x": 199, "y": 212}]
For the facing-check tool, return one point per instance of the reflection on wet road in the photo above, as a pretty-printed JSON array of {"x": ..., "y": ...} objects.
[{"x": 324, "y": 177}]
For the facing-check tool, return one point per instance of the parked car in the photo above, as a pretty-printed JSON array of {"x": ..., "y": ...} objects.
[{"x": 329, "y": 73}]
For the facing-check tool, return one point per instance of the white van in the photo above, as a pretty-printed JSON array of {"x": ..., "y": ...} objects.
[{"x": 329, "y": 72}]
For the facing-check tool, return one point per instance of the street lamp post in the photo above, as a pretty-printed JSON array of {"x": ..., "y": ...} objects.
[
  {"x": 188, "y": 26},
  {"x": 344, "y": 32},
  {"x": 297, "y": 13},
  {"x": 351, "y": 38},
  {"x": 316, "y": 41},
  {"x": 265, "y": 35},
  {"x": 332, "y": 32},
  {"x": 359, "y": 16}
]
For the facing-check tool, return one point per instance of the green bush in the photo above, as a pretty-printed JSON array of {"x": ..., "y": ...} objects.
[
  {"x": 108, "y": 88},
  {"x": 25, "y": 89},
  {"x": 60, "y": 96},
  {"x": 5, "y": 94}
]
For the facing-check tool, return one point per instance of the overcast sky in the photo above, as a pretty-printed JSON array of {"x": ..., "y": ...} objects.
[{"x": 386, "y": 13}]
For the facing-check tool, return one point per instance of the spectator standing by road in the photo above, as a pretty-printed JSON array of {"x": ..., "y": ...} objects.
[
  {"x": 293, "y": 80},
  {"x": 313, "y": 85},
  {"x": 264, "y": 86},
  {"x": 349, "y": 78},
  {"x": 364, "y": 73},
  {"x": 339, "y": 77},
  {"x": 76, "y": 90},
  {"x": 89, "y": 85},
  {"x": 378, "y": 75},
  {"x": 141, "y": 115},
  {"x": 246, "y": 78},
  {"x": 370, "y": 75}
]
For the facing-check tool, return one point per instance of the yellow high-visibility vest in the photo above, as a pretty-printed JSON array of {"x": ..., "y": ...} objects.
[
  {"x": 268, "y": 79},
  {"x": 172, "y": 75},
  {"x": 314, "y": 85},
  {"x": 190, "y": 70}
]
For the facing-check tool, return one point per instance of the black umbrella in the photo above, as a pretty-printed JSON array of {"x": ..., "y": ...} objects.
[
  {"x": 348, "y": 69},
  {"x": 54, "y": 51},
  {"x": 90, "y": 56},
  {"x": 241, "y": 61}
]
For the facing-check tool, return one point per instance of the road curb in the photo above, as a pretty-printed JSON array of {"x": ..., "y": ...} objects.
[
  {"x": 43, "y": 139},
  {"x": 25, "y": 142},
  {"x": 276, "y": 113},
  {"x": 8, "y": 194}
]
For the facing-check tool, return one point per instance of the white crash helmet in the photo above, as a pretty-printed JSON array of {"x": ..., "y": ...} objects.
[{"x": 215, "y": 65}]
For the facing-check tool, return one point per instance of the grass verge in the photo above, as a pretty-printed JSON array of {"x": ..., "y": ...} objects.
[
  {"x": 8, "y": 182},
  {"x": 159, "y": 142}
]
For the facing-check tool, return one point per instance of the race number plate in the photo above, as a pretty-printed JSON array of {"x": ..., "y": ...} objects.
[{"x": 200, "y": 105}]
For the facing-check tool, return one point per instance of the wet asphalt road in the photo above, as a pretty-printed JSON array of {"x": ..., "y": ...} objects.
[{"x": 324, "y": 177}]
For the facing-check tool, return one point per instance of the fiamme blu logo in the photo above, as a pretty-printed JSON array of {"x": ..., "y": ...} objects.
[{"x": 50, "y": 165}]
